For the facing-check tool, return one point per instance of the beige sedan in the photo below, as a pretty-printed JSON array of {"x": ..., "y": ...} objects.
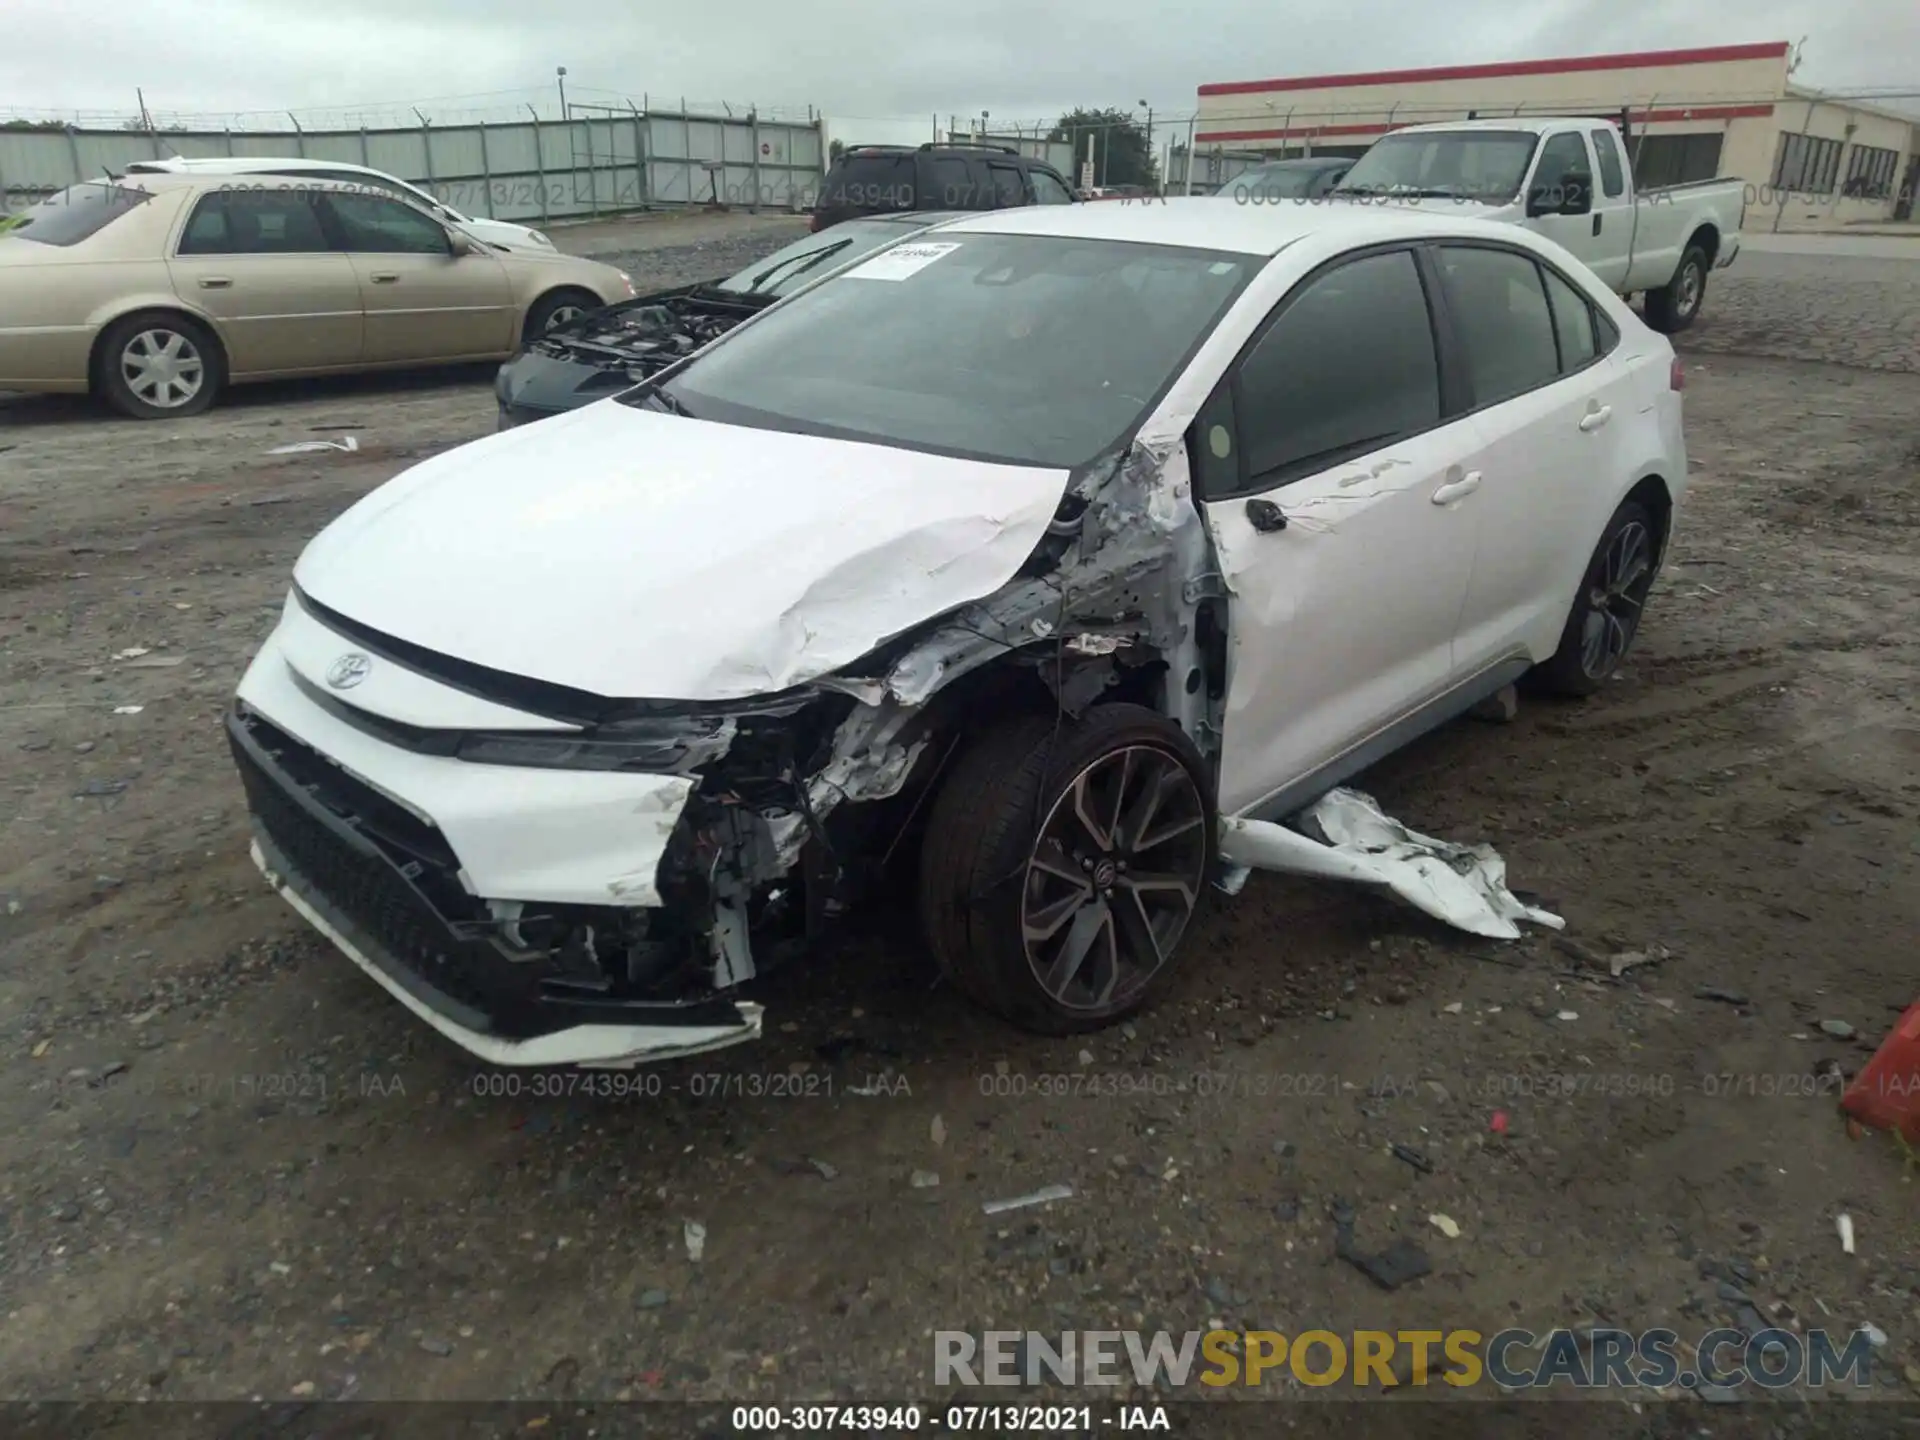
[{"x": 156, "y": 291}]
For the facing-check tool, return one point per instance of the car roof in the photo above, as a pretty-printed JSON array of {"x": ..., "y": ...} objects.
[
  {"x": 158, "y": 180},
  {"x": 1213, "y": 222},
  {"x": 240, "y": 164},
  {"x": 1532, "y": 126}
]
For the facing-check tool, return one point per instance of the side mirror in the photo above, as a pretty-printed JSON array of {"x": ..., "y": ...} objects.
[{"x": 460, "y": 243}]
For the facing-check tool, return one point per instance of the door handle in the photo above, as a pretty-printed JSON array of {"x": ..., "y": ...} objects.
[
  {"x": 214, "y": 282},
  {"x": 384, "y": 277},
  {"x": 1595, "y": 417},
  {"x": 1458, "y": 487},
  {"x": 1597, "y": 219}
]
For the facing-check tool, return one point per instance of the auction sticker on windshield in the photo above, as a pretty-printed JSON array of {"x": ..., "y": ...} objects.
[{"x": 903, "y": 260}]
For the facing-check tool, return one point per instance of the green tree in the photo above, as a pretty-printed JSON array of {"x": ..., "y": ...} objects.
[
  {"x": 835, "y": 151},
  {"x": 1121, "y": 153}
]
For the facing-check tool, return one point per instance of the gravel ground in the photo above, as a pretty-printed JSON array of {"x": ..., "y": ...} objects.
[{"x": 231, "y": 1167}]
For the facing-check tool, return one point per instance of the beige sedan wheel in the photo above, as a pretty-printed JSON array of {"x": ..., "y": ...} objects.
[{"x": 159, "y": 366}]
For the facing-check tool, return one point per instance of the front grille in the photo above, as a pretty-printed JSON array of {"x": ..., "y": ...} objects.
[
  {"x": 388, "y": 882},
  {"x": 390, "y": 919}
]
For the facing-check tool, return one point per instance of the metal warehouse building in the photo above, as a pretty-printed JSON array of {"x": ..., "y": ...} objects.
[{"x": 1811, "y": 160}]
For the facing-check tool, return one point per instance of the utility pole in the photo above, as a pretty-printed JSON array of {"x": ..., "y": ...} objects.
[
  {"x": 1149, "y": 145},
  {"x": 560, "y": 74},
  {"x": 146, "y": 120}
]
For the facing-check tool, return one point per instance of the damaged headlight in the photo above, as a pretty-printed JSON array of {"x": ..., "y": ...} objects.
[{"x": 665, "y": 746}]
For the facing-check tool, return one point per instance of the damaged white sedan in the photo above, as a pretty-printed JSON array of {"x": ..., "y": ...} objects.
[{"x": 998, "y": 569}]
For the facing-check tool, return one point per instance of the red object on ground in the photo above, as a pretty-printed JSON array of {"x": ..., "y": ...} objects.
[
  {"x": 1499, "y": 1122},
  {"x": 1886, "y": 1092}
]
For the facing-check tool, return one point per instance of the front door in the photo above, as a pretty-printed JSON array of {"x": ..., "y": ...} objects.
[
  {"x": 422, "y": 302},
  {"x": 259, "y": 262},
  {"x": 1331, "y": 479},
  {"x": 1601, "y": 230}
]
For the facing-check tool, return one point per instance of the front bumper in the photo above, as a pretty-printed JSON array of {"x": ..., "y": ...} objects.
[{"x": 393, "y": 856}]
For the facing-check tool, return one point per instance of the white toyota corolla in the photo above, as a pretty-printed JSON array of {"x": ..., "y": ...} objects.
[{"x": 1003, "y": 564}]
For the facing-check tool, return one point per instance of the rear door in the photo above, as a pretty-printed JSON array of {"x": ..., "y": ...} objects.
[
  {"x": 260, "y": 262},
  {"x": 1613, "y": 221},
  {"x": 955, "y": 182},
  {"x": 1328, "y": 465},
  {"x": 1550, "y": 409},
  {"x": 421, "y": 301}
]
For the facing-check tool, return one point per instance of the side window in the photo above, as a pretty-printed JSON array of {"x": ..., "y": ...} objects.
[
  {"x": 1613, "y": 178},
  {"x": 1008, "y": 188},
  {"x": 254, "y": 222},
  {"x": 372, "y": 224},
  {"x": 1499, "y": 311},
  {"x": 1563, "y": 155},
  {"x": 1572, "y": 323},
  {"x": 1047, "y": 188},
  {"x": 953, "y": 186},
  {"x": 1347, "y": 366}
]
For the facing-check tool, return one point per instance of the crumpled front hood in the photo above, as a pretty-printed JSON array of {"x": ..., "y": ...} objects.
[{"x": 636, "y": 554}]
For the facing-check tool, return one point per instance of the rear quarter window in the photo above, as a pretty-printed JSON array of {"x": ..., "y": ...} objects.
[
  {"x": 870, "y": 182},
  {"x": 78, "y": 212}
]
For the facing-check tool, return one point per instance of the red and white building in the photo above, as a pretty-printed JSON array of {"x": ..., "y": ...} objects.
[{"x": 1727, "y": 111}]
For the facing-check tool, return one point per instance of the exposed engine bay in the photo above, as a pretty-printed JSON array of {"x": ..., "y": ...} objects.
[{"x": 645, "y": 335}]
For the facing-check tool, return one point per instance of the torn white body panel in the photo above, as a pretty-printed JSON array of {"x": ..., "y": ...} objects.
[
  {"x": 701, "y": 561},
  {"x": 569, "y": 836},
  {"x": 590, "y": 1046},
  {"x": 1464, "y": 885}
]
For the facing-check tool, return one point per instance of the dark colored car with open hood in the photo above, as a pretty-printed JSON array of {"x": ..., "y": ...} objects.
[{"x": 606, "y": 351}]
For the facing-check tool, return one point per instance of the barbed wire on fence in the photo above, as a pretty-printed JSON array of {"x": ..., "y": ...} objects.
[
  {"x": 1229, "y": 112},
  {"x": 399, "y": 115}
]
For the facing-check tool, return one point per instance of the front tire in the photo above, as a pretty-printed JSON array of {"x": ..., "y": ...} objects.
[
  {"x": 1064, "y": 860},
  {"x": 1676, "y": 305},
  {"x": 1606, "y": 611},
  {"x": 561, "y": 307},
  {"x": 159, "y": 367}
]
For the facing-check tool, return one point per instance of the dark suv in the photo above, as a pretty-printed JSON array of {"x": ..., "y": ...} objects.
[{"x": 889, "y": 179}]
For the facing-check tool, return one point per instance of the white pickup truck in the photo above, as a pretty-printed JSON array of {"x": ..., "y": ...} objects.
[{"x": 1542, "y": 173}]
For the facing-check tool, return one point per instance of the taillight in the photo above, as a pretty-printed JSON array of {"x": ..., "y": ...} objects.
[{"x": 1677, "y": 375}]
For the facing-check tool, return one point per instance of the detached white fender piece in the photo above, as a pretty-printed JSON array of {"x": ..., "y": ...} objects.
[{"x": 1464, "y": 885}]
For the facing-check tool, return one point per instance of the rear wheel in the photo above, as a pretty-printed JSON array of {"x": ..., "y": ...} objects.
[
  {"x": 1674, "y": 307},
  {"x": 1063, "y": 863},
  {"x": 156, "y": 367},
  {"x": 562, "y": 307},
  {"x": 1606, "y": 612}
]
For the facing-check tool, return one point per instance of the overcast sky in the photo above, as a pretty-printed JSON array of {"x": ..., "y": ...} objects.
[{"x": 851, "y": 58}]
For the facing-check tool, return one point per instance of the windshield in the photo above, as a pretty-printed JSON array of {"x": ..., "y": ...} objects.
[
  {"x": 1483, "y": 165},
  {"x": 77, "y": 212},
  {"x": 793, "y": 265},
  {"x": 1277, "y": 182},
  {"x": 1024, "y": 349}
]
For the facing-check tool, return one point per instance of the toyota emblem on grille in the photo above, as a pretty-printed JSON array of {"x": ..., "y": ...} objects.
[{"x": 348, "y": 671}]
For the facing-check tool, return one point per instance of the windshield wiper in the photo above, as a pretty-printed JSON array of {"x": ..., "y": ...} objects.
[
  {"x": 662, "y": 400},
  {"x": 811, "y": 257}
]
